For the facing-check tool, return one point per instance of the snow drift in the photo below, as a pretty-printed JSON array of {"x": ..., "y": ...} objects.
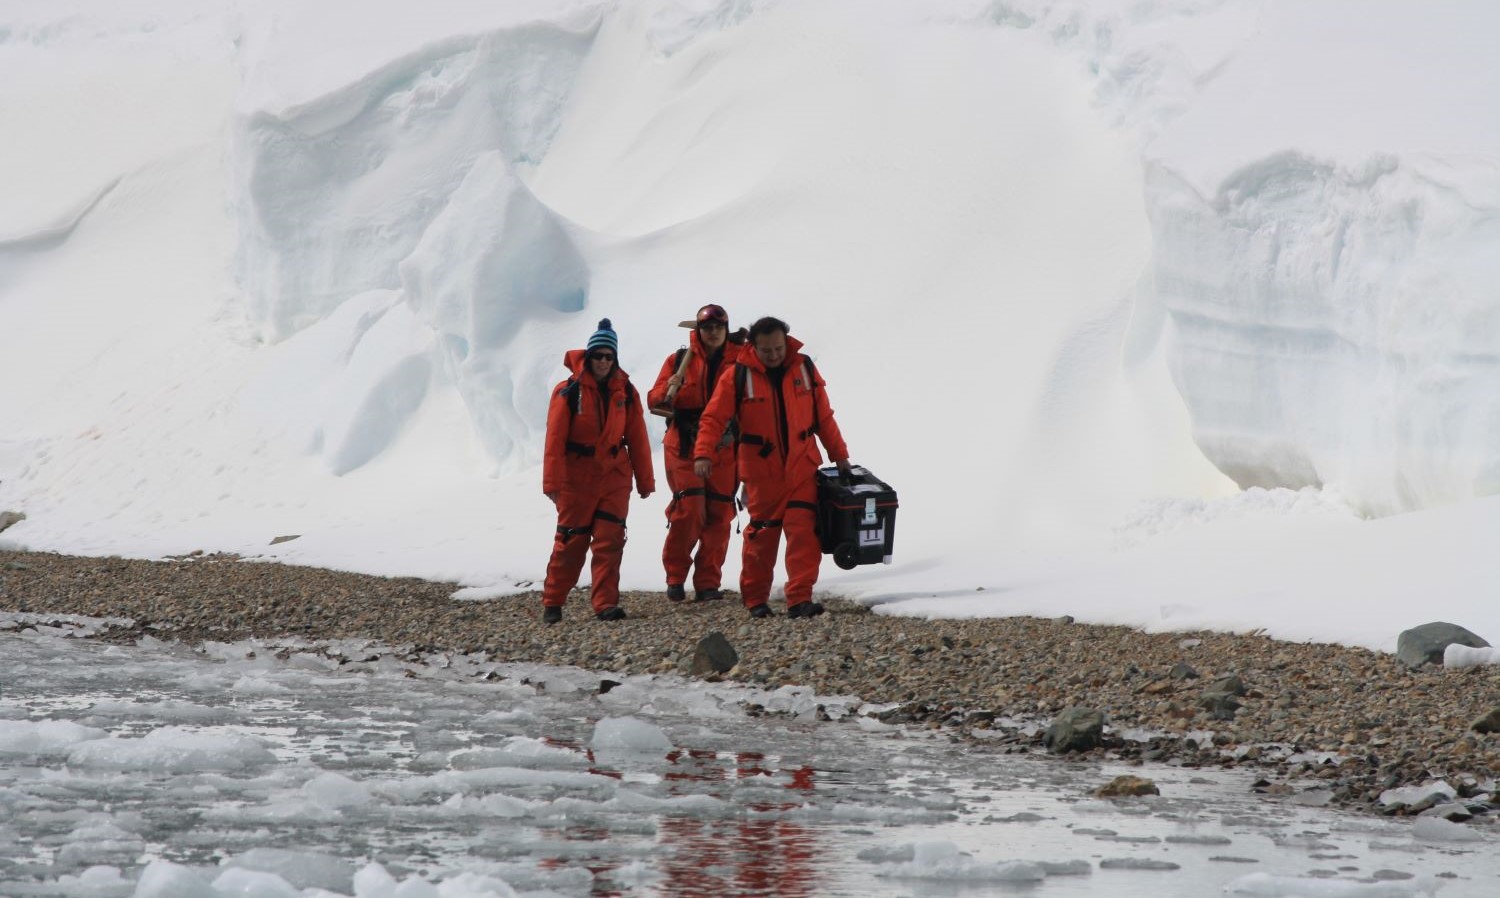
[{"x": 1054, "y": 258}]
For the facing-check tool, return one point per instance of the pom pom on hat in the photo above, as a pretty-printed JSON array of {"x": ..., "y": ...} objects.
[{"x": 604, "y": 337}]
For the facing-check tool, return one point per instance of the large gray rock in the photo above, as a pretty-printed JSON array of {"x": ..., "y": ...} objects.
[
  {"x": 1425, "y": 644},
  {"x": 1230, "y": 684},
  {"x": 714, "y": 655},
  {"x": 8, "y": 518},
  {"x": 1183, "y": 671},
  {"x": 1219, "y": 704},
  {"x": 1489, "y": 723},
  {"x": 1075, "y": 729}
]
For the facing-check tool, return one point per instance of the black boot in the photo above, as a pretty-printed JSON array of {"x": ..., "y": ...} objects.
[
  {"x": 707, "y": 595},
  {"x": 552, "y": 614},
  {"x": 761, "y": 610},
  {"x": 676, "y": 592},
  {"x": 805, "y": 609},
  {"x": 615, "y": 613}
]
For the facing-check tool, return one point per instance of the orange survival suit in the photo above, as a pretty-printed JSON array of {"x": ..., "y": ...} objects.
[
  {"x": 699, "y": 513},
  {"x": 779, "y": 415},
  {"x": 596, "y": 438}
]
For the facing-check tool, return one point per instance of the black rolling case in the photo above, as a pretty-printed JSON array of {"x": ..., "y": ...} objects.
[{"x": 856, "y": 517}]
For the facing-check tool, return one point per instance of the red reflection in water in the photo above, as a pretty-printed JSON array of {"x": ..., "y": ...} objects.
[
  {"x": 712, "y": 858},
  {"x": 716, "y": 858}
]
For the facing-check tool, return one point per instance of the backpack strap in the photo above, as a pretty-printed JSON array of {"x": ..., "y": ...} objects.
[
  {"x": 573, "y": 393},
  {"x": 811, "y": 373}
]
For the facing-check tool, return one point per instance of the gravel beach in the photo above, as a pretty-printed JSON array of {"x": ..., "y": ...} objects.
[{"x": 1347, "y": 720}]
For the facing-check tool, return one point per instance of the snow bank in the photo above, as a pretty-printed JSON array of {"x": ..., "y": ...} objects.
[
  {"x": 1054, "y": 257},
  {"x": 1465, "y": 656}
]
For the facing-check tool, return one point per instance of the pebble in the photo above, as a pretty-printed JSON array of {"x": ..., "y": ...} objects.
[{"x": 1382, "y": 724}]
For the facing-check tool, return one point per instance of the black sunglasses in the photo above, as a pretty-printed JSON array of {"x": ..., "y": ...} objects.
[{"x": 601, "y": 357}]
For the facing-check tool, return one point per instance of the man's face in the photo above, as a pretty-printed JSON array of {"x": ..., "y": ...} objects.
[
  {"x": 771, "y": 349},
  {"x": 713, "y": 334}
]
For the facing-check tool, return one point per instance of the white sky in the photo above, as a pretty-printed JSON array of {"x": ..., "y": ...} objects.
[{"x": 325, "y": 293}]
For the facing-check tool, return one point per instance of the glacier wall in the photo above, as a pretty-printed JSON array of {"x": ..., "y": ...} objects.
[
  {"x": 1325, "y": 210},
  {"x": 392, "y": 195},
  {"x": 1320, "y": 246},
  {"x": 335, "y": 190},
  {"x": 1338, "y": 325}
]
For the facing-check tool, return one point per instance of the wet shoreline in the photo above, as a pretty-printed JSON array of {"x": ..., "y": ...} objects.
[{"x": 1346, "y": 721}]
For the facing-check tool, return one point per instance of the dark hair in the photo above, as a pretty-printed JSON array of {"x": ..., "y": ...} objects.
[{"x": 768, "y": 325}]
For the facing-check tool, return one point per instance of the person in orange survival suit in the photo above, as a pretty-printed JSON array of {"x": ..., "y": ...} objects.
[
  {"x": 701, "y": 511},
  {"x": 781, "y": 403},
  {"x": 596, "y": 438}
]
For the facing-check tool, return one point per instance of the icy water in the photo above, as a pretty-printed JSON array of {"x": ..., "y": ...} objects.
[{"x": 163, "y": 771}]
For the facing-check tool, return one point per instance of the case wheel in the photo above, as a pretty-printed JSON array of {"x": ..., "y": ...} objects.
[{"x": 846, "y": 556}]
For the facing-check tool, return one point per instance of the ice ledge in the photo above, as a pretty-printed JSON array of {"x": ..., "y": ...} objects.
[{"x": 1338, "y": 323}]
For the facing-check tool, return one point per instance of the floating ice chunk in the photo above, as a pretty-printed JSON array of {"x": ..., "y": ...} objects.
[
  {"x": 629, "y": 734},
  {"x": 800, "y": 701},
  {"x": 1312, "y": 798},
  {"x": 635, "y": 873},
  {"x": 1267, "y": 885},
  {"x": 253, "y": 884},
  {"x": 44, "y": 737},
  {"x": 942, "y": 860},
  {"x": 1457, "y": 655},
  {"x": 96, "y": 882},
  {"x": 373, "y": 881},
  {"x": 164, "y": 879},
  {"x": 98, "y": 840},
  {"x": 632, "y": 802},
  {"x": 502, "y": 807},
  {"x": 182, "y": 712},
  {"x": 470, "y": 885},
  {"x": 173, "y": 750},
  {"x": 257, "y": 685},
  {"x": 1410, "y": 795},
  {"x": 334, "y": 790},
  {"x": 520, "y": 751},
  {"x": 492, "y": 778},
  {"x": 303, "y": 869},
  {"x": 1436, "y": 829},
  {"x": 311, "y": 661}
]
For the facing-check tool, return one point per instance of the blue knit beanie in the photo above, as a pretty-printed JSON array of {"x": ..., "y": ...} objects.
[{"x": 604, "y": 337}]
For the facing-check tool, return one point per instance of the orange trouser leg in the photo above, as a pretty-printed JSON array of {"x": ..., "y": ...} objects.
[
  {"x": 758, "y": 561},
  {"x": 713, "y": 544},
  {"x": 804, "y": 553},
  {"x": 698, "y": 520},
  {"x": 609, "y": 547},
  {"x": 575, "y": 522},
  {"x": 766, "y": 503},
  {"x": 686, "y": 514}
]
